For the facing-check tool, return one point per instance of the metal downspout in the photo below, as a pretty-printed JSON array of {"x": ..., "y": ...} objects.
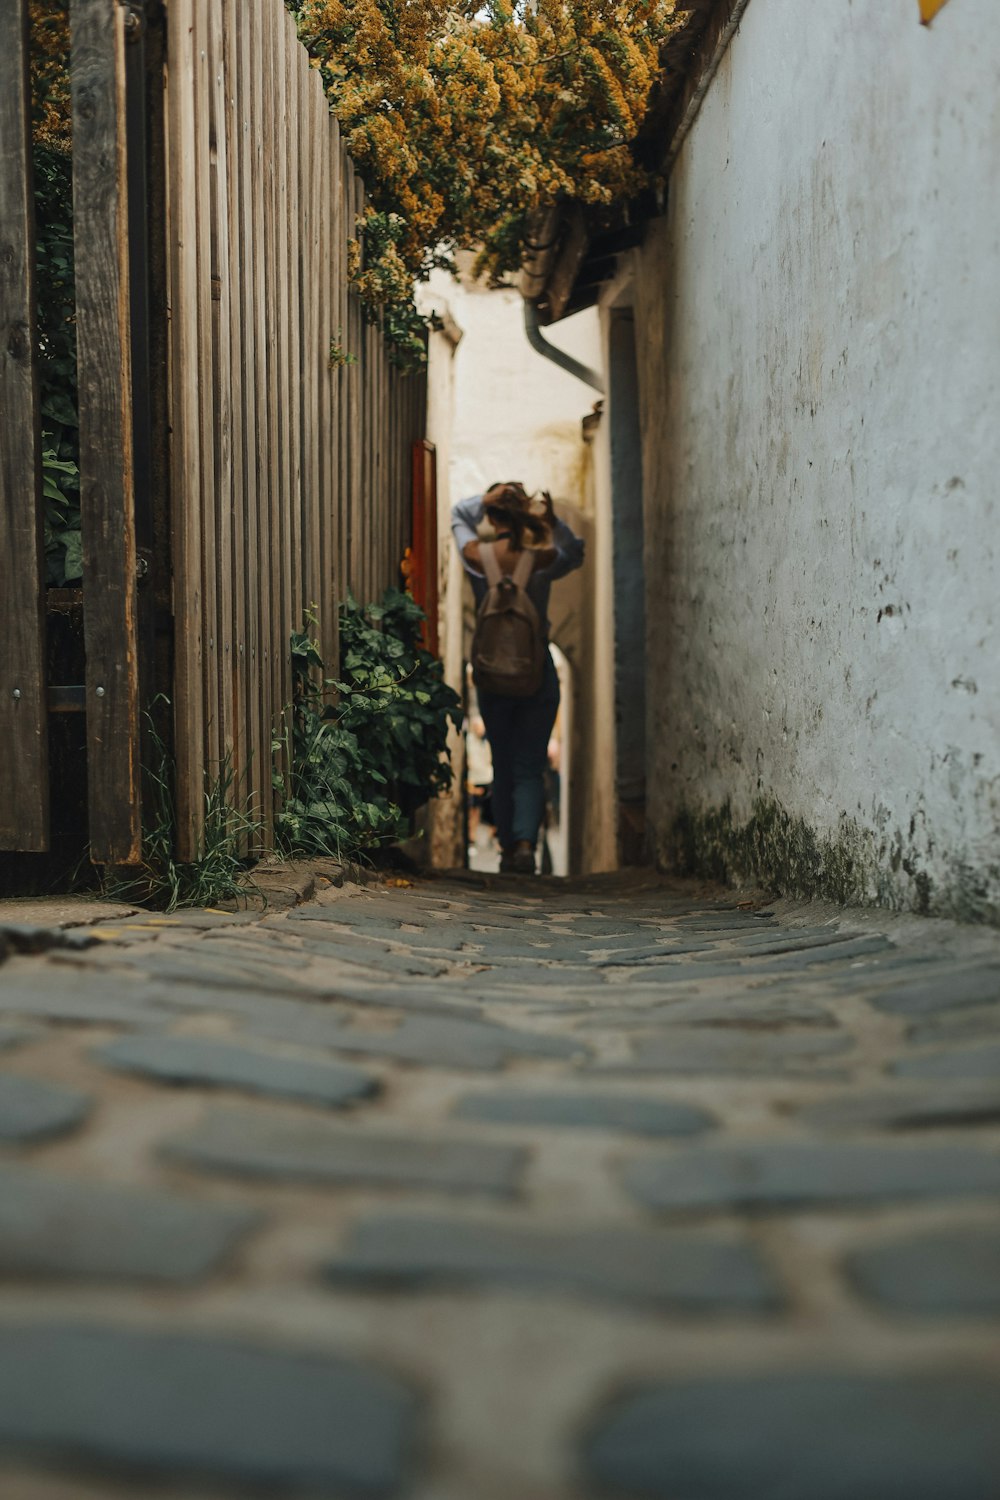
[{"x": 541, "y": 345}]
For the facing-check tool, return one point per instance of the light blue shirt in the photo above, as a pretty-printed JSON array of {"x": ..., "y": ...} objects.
[{"x": 466, "y": 518}]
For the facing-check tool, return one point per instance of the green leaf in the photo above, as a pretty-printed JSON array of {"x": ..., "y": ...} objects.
[{"x": 73, "y": 565}]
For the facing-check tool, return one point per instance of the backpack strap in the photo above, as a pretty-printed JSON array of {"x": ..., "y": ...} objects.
[
  {"x": 488, "y": 558},
  {"x": 523, "y": 569}
]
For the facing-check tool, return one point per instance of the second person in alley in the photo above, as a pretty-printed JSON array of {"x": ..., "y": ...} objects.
[{"x": 513, "y": 548}]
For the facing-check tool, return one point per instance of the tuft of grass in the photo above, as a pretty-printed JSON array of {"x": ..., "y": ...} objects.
[{"x": 221, "y": 871}]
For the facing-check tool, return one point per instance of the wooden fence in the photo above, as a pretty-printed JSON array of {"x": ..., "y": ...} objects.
[
  {"x": 24, "y": 803},
  {"x": 234, "y": 476}
]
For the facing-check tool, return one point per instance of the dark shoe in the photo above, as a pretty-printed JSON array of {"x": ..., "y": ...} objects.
[
  {"x": 523, "y": 858},
  {"x": 507, "y": 865}
]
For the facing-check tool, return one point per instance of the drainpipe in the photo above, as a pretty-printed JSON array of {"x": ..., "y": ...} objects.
[{"x": 541, "y": 345}]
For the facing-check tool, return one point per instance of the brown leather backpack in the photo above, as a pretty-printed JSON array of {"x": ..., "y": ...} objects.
[{"x": 508, "y": 648}]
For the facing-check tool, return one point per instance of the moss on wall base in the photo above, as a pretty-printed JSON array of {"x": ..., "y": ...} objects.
[{"x": 853, "y": 866}]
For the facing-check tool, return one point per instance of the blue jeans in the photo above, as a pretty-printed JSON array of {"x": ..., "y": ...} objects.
[{"x": 518, "y": 730}]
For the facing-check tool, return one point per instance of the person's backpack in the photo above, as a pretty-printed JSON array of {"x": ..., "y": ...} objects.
[{"x": 508, "y": 648}]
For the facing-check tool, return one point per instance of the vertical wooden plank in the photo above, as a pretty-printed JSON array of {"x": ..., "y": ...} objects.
[
  {"x": 260, "y": 286},
  {"x": 274, "y": 345},
  {"x": 24, "y": 796},
  {"x": 387, "y": 485},
  {"x": 217, "y": 166},
  {"x": 424, "y": 530},
  {"x": 326, "y": 428},
  {"x": 242, "y": 339},
  {"x": 185, "y": 430},
  {"x": 377, "y": 498},
  {"x": 380, "y": 496},
  {"x": 348, "y": 376},
  {"x": 355, "y": 435},
  {"x": 395, "y": 446},
  {"x": 360, "y": 454},
  {"x": 283, "y": 559},
  {"x": 303, "y": 370},
  {"x": 367, "y": 514},
  {"x": 352, "y": 409},
  {"x": 212, "y": 747},
  {"x": 396, "y": 438},
  {"x": 106, "y": 472},
  {"x": 391, "y": 413},
  {"x": 320, "y": 336},
  {"x": 389, "y": 497},
  {"x": 405, "y": 509},
  {"x": 341, "y": 245},
  {"x": 387, "y": 397},
  {"x": 313, "y": 301},
  {"x": 280, "y": 146},
  {"x": 338, "y": 319},
  {"x": 290, "y": 147}
]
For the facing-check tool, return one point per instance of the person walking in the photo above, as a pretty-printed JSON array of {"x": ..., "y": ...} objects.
[{"x": 503, "y": 534}]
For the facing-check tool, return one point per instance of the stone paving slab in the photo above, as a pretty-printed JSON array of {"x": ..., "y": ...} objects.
[
  {"x": 804, "y": 1435},
  {"x": 956, "y": 1026},
  {"x": 33, "y": 1111},
  {"x": 363, "y": 954},
  {"x": 65, "y": 1227},
  {"x": 693, "y": 1273},
  {"x": 947, "y": 1273},
  {"x": 293, "y": 1149},
  {"x": 835, "y": 953},
  {"x": 585, "y": 1110},
  {"x": 727, "y": 1051},
  {"x": 788, "y": 1175},
  {"x": 947, "y": 1104},
  {"x": 216, "y": 1063},
  {"x": 36, "y": 989},
  {"x": 428, "y": 1040},
  {"x": 957, "y": 1062},
  {"x": 438, "y": 1001},
  {"x": 946, "y": 990},
  {"x": 60, "y": 911},
  {"x": 201, "y": 967},
  {"x": 493, "y": 976},
  {"x": 761, "y": 1012},
  {"x": 184, "y": 1405},
  {"x": 633, "y": 1140}
]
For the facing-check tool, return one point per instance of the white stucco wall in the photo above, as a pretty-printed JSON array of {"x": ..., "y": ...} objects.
[
  {"x": 821, "y": 403},
  {"x": 517, "y": 415}
]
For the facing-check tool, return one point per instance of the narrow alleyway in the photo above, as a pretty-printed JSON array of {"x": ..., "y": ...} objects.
[{"x": 472, "y": 1191}]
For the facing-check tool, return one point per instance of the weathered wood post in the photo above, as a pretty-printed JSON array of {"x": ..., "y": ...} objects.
[
  {"x": 107, "y": 489},
  {"x": 24, "y": 782}
]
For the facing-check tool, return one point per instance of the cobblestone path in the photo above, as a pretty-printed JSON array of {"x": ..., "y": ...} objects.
[{"x": 477, "y": 1192}]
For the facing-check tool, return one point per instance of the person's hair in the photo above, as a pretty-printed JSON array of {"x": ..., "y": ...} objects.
[{"x": 508, "y": 507}]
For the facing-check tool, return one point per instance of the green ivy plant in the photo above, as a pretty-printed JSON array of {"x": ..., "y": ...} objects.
[
  {"x": 61, "y": 497},
  {"x": 340, "y": 357},
  {"x": 362, "y": 765}
]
